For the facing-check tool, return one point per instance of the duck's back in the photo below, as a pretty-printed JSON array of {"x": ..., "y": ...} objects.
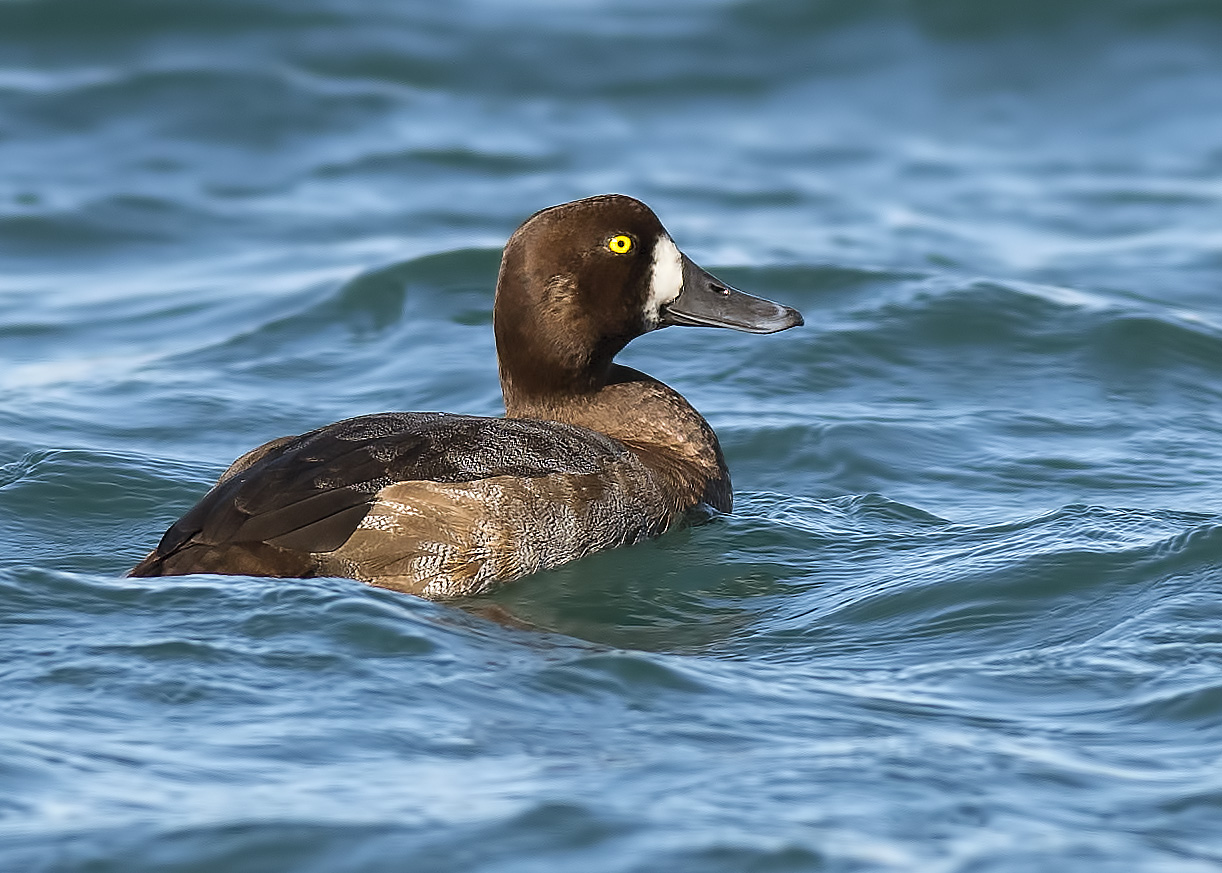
[{"x": 435, "y": 504}]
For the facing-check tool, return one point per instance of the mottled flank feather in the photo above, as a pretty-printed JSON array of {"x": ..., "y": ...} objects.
[{"x": 443, "y": 540}]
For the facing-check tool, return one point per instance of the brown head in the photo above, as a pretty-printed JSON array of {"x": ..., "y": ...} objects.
[{"x": 578, "y": 281}]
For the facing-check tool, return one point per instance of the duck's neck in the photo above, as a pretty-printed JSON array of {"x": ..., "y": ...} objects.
[{"x": 651, "y": 419}]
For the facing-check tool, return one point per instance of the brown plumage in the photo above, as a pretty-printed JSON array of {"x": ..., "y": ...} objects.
[{"x": 590, "y": 455}]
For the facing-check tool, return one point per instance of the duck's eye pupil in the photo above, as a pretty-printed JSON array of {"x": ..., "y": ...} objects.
[{"x": 620, "y": 244}]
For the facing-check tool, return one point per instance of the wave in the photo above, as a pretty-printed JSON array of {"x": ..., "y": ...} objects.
[
  {"x": 226, "y": 101},
  {"x": 860, "y": 644},
  {"x": 1012, "y": 319},
  {"x": 392, "y": 335},
  {"x": 949, "y": 340},
  {"x": 134, "y": 19},
  {"x": 956, "y": 18}
]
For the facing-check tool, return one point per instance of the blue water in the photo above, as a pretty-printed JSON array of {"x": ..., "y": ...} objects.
[{"x": 967, "y": 614}]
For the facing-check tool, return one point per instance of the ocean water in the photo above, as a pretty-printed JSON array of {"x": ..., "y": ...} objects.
[{"x": 967, "y": 614}]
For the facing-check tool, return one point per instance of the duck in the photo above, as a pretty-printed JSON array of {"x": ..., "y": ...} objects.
[{"x": 590, "y": 454}]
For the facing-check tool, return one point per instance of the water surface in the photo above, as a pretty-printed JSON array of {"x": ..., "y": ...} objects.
[{"x": 966, "y": 615}]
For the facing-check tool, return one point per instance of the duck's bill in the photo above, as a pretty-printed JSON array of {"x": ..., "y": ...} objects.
[{"x": 706, "y": 301}]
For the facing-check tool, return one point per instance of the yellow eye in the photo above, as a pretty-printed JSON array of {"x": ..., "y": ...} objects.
[{"x": 621, "y": 244}]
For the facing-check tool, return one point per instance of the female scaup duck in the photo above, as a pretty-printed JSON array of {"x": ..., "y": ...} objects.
[{"x": 590, "y": 454}]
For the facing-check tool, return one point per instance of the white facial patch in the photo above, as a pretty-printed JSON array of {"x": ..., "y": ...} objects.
[{"x": 665, "y": 279}]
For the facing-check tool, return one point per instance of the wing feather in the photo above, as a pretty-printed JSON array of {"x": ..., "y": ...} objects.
[{"x": 310, "y": 492}]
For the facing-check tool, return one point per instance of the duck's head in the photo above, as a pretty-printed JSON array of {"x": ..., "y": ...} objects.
[{"x": 581, "y": 279}]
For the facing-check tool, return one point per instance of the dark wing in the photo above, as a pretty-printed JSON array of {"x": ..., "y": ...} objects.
[{"x": 309, "y": 493}]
